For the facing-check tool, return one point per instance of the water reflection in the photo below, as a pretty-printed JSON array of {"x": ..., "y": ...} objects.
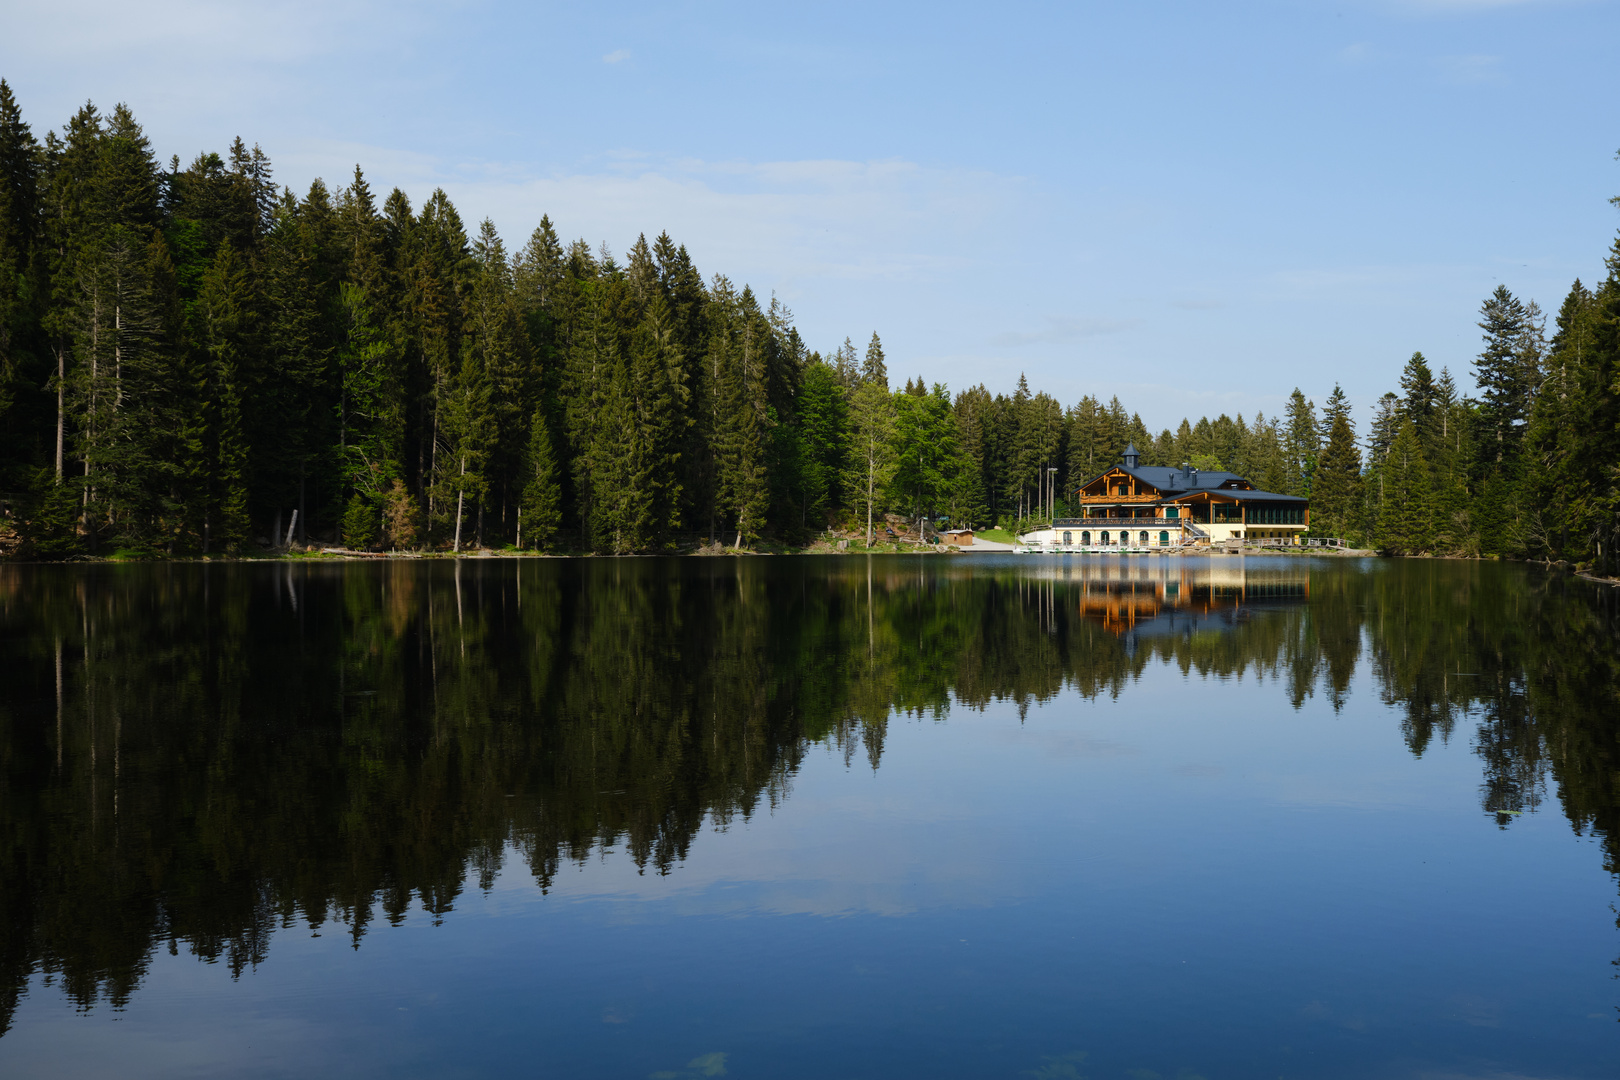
[{"x": 199, "y": 756}]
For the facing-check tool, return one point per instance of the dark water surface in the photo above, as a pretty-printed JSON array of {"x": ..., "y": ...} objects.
[{"x": 989, "y": 816}]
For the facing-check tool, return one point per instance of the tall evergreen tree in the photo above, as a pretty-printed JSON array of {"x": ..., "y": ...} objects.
[
  {"x": 1336, "y": 487},
  {"x": 875, "y": 370},
  {"x": 1300, "y": 442},
  {"x": 871, "y": 454},
  {"x": 540, "y": 515},
  {"x": 1406, "y": 513},
  {"x": 824, "y": 422},
  {"x": 1505, "y": 373},
  {"x": 23, "y": 290}
]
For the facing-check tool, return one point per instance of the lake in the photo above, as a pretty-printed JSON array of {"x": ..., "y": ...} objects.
[{"x": 978, "y": 816}]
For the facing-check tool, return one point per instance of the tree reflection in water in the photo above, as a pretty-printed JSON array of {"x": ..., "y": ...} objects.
[{"x": 199, "y": 755}]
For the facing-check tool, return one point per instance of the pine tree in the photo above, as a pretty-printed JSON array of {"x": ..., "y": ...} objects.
[
  {"x": 1406, "y": 512},
  {"x": 657, "y": 383},
  {"x": 742, "y": 491},
  {"x": 844, "y": 364},
  {"x": 495, "y": 335},
  {"x": 1023, "y": 451},
  {"x": 1086, "y": 442},
  {"x": 1505, "y": 384},
  {"x": 1387, "y": 420},
  {"x": 291, "y": 428},
  {"x": 871, "y": 458},
  {"x": 1300, "y": 443},
  {"x": 974, "y": 411},
  {"x": 1336, "y": 487},
  {"x": 924, "y": 448},
  {"x": 874, "y": 370},
  {"x": 23, "y": 286},
  {"x": 824, "y": 422},
  {"x": 541, "y": 513},
  {"x": 223, "y": 321},
  {"x": 1263, "y": 455},
  {"x": 1572, "y": 434},
  {"x": 1418, "y": 400}
]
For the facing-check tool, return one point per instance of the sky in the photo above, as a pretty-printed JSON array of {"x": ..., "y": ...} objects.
[{"x": 1194, "y": 207}]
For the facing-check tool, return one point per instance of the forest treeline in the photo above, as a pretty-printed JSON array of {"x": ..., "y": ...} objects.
[
  {"x": 199, "y": 756},
  {"x": 189, "y": 356}
]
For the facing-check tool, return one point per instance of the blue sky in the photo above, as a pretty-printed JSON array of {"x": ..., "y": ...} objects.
[{"x": 1196, "y": 207}]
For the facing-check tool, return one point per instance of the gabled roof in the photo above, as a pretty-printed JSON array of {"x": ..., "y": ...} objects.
[
  {"x": 1170, "y": 480},
  {"x": 1241, "y": 495},
  {"x": 1176, "y": 484}
]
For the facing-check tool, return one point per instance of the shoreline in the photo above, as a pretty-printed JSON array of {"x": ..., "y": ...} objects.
[{"x": 344, "y": 555}]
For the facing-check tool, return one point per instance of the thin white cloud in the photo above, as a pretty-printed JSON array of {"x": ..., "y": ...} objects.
[
  {"x": 879, "y": 221},
  {"x": 616, "y": 56},
  {"x": 1059, "y": 330},
  {"x": 1473, "y": 68},
  {"x": 299, "y": 30},
  {"x": 1357, "y": 54}
]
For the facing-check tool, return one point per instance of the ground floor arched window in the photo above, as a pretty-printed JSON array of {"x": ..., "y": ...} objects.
[
  {"x": 1143, "y": 539},
  {"x": 1105, "y": 538},
  {"x": 1068, "y": 538},
  {"x": 1164, "y": 539},
  {"x": 1085, "y": 537}
]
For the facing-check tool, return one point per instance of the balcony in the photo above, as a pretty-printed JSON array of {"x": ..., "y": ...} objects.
[{"x": 1072, "y": 524}]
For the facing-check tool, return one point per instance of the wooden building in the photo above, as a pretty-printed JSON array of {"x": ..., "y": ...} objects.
[{"x": 1140, "y": 507}]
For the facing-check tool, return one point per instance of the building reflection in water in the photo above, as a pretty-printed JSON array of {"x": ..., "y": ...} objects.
[{"x": 1169, "y": 596}]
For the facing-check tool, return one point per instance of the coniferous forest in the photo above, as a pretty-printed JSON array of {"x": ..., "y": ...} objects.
[{"x": 193, "y": 361}]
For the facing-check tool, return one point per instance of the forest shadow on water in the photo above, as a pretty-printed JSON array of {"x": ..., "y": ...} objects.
[{"x": 202, "y": 757}]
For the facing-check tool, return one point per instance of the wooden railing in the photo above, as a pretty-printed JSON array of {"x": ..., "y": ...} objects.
[
  {"x": 1303, "y": 541},
  {"x": 1121, "y": 523}
]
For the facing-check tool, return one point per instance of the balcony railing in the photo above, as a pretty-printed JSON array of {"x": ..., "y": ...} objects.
[{"x": 1121, "y": 523}]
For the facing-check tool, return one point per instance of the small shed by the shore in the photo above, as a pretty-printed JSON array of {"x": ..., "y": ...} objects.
[{"x": 959, "y": 537}]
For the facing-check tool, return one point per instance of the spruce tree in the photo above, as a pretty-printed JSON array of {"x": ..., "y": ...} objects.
[
  {"x": 871, "y": 458},
  {"x": 1300, "y": 442},
  {"x": 23, "y": 360},
  {"x": 1406, "y": 512},
  {"x": 974, "y": 418},
  {"x": 1086, "y": 444},
  {"x": 1419, "y": 400},
  {"x": 874, "y": 370},
  {"x": 1505, "y": 384},
  {"x": 541, "y": 513},
  {"x": 1336, "y": 488},
  {"x": 657, "y": 385},
  {"x": 223, "y": 329},
  {"x": 824, "y": 422}
]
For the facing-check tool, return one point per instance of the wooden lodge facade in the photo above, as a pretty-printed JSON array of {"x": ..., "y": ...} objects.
[{"x": 1146, "y": 507}]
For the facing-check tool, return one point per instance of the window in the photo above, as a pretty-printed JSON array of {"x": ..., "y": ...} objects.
[
  {"x": 1143, "y": 539},
  {"x": 1172, "y": 512},
  {"x": 1105, "y": 538},
  {"x": 1068, "y": 538},
  {"x": 1085, "y": 537},
  {"x": 1164, "y": 539},
  {"x": 1276, "y": 514}
]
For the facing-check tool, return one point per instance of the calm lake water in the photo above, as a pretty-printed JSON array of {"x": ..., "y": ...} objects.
[{"x": 988, "y": 816}]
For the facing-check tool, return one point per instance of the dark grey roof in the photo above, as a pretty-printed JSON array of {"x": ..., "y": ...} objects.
[
  {"x": 1175, "y": 483},
  {"x": 1239, "y": 495}
]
